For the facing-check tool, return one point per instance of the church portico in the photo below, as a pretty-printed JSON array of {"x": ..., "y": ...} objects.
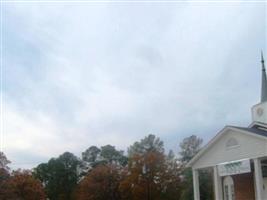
[
  {"x": 238, "y": 157},
  {"x": 242, "y": 182}
]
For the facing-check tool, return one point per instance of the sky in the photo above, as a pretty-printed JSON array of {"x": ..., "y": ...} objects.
[{"x": 82, "y": 74}]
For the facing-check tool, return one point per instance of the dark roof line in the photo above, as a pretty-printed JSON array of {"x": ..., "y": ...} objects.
[{"x": 256, "y": 129}]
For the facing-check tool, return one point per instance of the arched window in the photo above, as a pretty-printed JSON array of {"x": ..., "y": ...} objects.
[
  {"x": 232, "y": 142},
  {"x": 228, "y": 187}
]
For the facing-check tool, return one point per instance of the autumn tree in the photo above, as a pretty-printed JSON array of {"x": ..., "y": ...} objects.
[
  {"x": 101, "y": 173},
  {"x": 22, "y": 185},
  {"x": 101, "y": 183},
  {"x": 4, "y": 172},
  {"x": 143, "y": 180},
  {"x": 149, "y": 176},
  {"x": 59, "y": 175}
]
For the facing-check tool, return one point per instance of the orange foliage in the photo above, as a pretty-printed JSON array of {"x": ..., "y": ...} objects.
[
  {"x": 22, "y": 185},
  {"x": 101, "y": 183},
  {"x": 144, "y": 177}
]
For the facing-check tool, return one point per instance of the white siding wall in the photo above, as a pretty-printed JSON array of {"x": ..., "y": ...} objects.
[{"x": 249, "y": 147}]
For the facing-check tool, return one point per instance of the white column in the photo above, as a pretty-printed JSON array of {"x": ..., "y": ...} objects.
[
  {"x": 196, "y": 184},
  {"x": 258, "y": 178},
  {"x": 217, "y": 184}
]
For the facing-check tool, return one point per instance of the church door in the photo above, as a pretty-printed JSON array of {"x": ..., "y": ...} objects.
[{"x": 228, "y": 188}]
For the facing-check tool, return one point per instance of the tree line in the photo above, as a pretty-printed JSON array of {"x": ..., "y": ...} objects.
[{"x": 146, "y": 172}]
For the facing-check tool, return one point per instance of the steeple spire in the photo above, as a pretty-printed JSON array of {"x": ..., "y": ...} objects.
[
  {"x": 259, "y": 111},
  {"x": 264, "y": 81}
]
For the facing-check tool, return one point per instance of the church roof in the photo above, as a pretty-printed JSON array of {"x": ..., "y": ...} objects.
[{"x": 256, "y": 129}]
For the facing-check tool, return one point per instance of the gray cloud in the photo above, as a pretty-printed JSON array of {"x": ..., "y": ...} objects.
[{"x": 108, "y": 73}]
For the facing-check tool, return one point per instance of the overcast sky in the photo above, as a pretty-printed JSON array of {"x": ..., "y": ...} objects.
[{"x": 76, "y": 75}]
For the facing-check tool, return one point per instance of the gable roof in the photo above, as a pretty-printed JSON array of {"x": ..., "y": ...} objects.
[{"x": 256, "y": 130}]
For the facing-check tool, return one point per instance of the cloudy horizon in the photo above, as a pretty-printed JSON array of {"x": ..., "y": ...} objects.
[{"x": 76, "y": 75}]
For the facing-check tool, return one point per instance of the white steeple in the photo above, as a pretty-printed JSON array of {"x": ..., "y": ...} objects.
[{"x": 259, "y": 111}]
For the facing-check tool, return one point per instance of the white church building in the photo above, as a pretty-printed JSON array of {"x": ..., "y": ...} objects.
[{"x": 238, "y": 157}]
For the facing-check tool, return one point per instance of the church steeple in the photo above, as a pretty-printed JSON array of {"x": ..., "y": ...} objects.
[
  {"x": 264, "y": 81},
  {"x": 259, "y": 111}
]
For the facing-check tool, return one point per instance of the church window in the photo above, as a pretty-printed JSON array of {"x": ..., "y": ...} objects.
[{"x": 232, "y": 142}]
